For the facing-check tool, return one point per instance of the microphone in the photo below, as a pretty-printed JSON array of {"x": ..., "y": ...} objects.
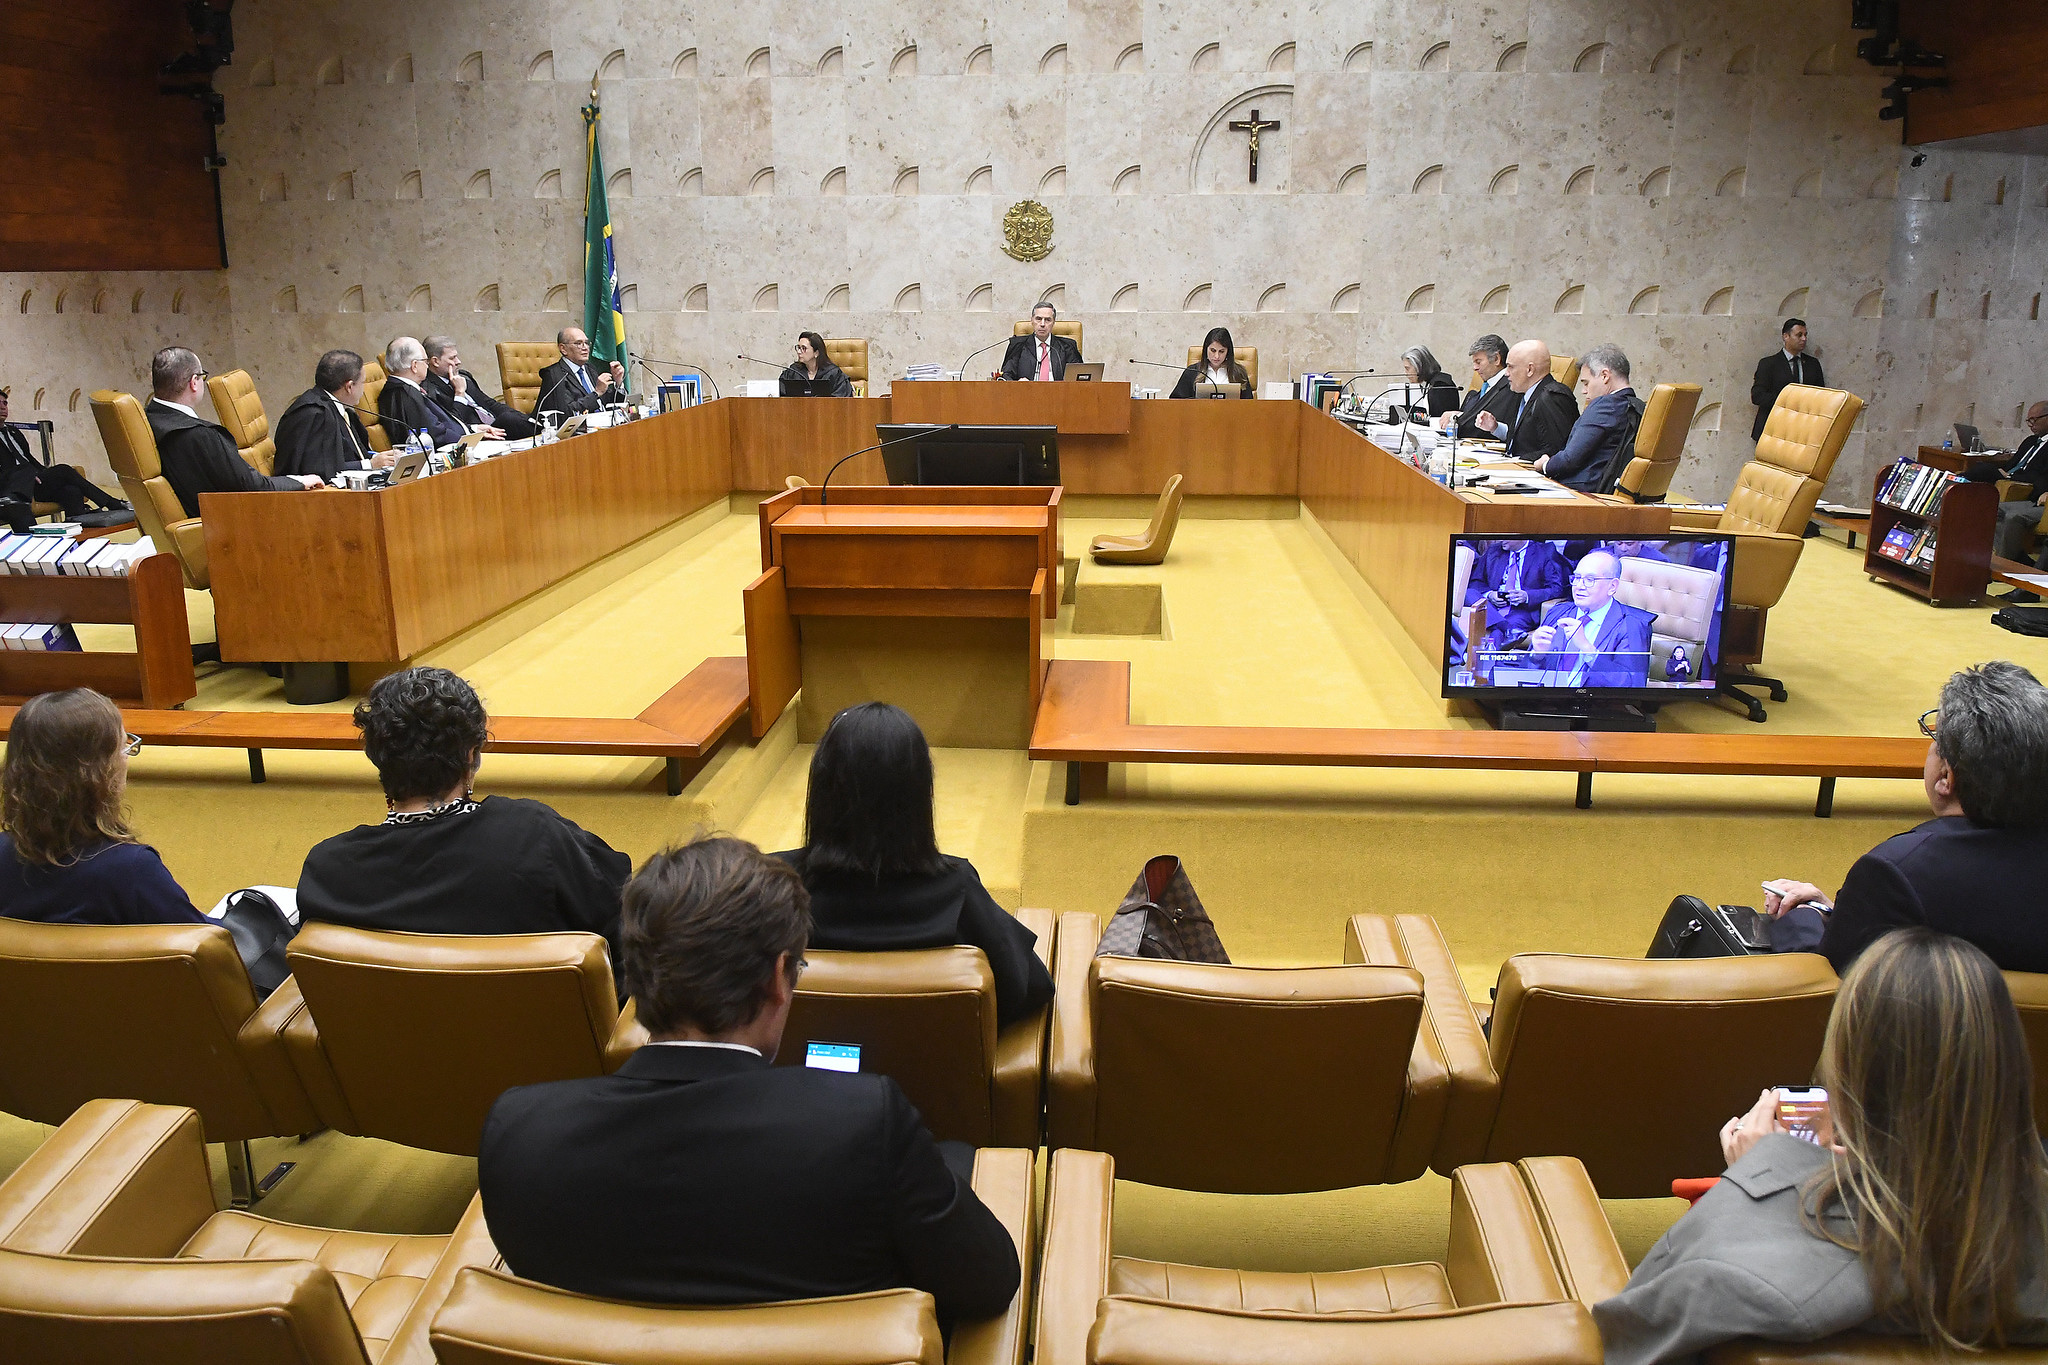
[
  {"x": 983, "y": 351},
  {"x": 553, "y": 389},
  {"x": 879, "y": 445},
  {"x": 1155, "y": 364},
  {"x": 755, "y": 360},
  {"x": 655, "y": 359}
]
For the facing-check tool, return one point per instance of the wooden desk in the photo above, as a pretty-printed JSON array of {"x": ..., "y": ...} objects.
[{"x": 1095, "y": 408}]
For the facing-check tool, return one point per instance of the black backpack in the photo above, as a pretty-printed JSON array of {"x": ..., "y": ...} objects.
[{"x": 2022, "y": 620}]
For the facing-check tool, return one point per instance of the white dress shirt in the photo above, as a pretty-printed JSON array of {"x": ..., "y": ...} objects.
[{"x": 704, "y": 1042}]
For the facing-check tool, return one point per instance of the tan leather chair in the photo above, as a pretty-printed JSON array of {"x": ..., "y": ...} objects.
[
  {"x": 2030, "y": 994},
  {"x": 1247, "y": 356},
  {"x": 111, "y": 1250},
  {"x": 373, "y": 389},
  {"x": 240, "y": 410},
  {"x": 850, "y": 354},
  {"x": 1241, "y": 1080},
  {"x": 1631, "y": 1066},
  {"x": 157, "y": 1012},
  {"x": 131, "y": 450},
  {"x": 494, "y": 1319},
  {"x": 519, "y": 367},
  {"x": 1683, "y": 599},
  {"x": 1151, "y": 545},
  {"x": 927, "y": 1019},
  {"x": 412, "y": 1037},
  {"x": 796, "y": 481},
  {"x": 1061, "y": 327},
  {"x": 1564, "y": 368},
  {"x": 1497, "y": 1298},
  {"x": 1660, "y": 441},
  {"x": 1769, "y": 508}
]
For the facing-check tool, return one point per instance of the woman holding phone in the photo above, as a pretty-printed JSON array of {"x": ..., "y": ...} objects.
[{"x": 1917, "y": 1205}]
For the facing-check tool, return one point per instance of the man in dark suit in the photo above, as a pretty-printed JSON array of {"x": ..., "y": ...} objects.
[
  {"x": 575, "y": 383},
  {"x": 199, "y": 456},
  {"x": 2019, "y": 518},
  {"x": 403, "y": 403},
  {"x": 1593, "y": 640},
  {"x": 1542, "y": 421},
  {"x": 701, "y": 1173},
  {"x": 1041, "y": 355},
  {"x": 1604, "y": 430},
  {"x": 1492, "y": 394},
  {"x": 455, "y": 391},
  {"x": 320, "y": 432},
  {"x": 1974, "y": 870},
  {"x": 25, "y": 481},
  {"x": 1788, "y": 365},
  {"x": 1515, "y": 579}
]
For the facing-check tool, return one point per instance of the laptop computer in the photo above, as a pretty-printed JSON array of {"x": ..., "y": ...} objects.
[
  {"x": 1966, "y": 437},
  {"x": 1218, "y": 390},
  {"x": 407, "y": 469},
  {"x": 808, "y": 388},
  {"x": 1089, "y": 371}
]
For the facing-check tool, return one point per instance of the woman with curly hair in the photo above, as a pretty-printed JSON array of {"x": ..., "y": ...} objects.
[
  {"x": 442, "y": 861},
  {"x": 68, "y": 855}
]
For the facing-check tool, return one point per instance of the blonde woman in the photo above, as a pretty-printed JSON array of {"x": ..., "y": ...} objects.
[
  {"x": 68, "y": 855},
  {"x": 1920, "y": 1211}
]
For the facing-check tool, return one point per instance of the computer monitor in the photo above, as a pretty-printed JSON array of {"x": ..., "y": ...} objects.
[
  {"x": 808, "y": 388},
  {"x": 1008, "y": 456},
  {"x": 1648, "y": 612}
]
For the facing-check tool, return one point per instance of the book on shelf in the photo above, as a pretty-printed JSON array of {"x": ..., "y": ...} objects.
[
  {"x": 1910, "y": 546},
  {"x": 43, "y": 555},
  {"x": 1916, "y": 488},
  {"x": 38, "y": 636}
]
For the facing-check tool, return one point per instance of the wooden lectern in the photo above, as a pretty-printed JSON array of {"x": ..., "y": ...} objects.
[{"x": 934, "y": 599}]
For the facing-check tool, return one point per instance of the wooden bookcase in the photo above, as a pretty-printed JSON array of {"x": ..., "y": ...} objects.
[
  {"x": 156, "y": 676},
  {"x": 1961, "y": 570}
]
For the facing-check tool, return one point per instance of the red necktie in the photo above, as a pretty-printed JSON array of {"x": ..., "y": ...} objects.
[{"x": 1045, "y": 361}]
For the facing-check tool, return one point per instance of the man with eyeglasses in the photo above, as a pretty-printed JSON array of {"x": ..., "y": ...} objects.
[
  {"x": 574, "y": 383},
  {"x": 2020, "y": 518},
  {"x": 1974, "y": 870},
  {"x": 199, "y": 456},
  {"x": 1593, "y": 640}
]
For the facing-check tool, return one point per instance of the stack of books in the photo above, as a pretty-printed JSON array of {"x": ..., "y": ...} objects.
[
  {"x": 1910, "y": 547},
  {"x": 1916, "y": 488},
  {"x": 33, "y": 554},
  {"x": 38, "y": 636},
  {"x": 1312, "y": 387},
  {"x": 925, "y": 372}
]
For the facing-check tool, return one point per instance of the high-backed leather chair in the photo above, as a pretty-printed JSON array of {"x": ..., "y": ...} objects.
[
  {"x": 493, "y": 1319},
  {"x": 2030, "y": 994},
  {"x": 1247, "y": 356},
  {"x": 1240, "y": 1080},
  {"x": 240, "y": 410},
  {"x": 131, "y": 450},
  {"x": 1683, "y": 598},
  {"x": 1061, "y": 327},
  {"x": 927, "y": 1019},
  {"x": 111, "y": 1250},
  {"x": 1653, "y": 1055},
  {"x": 373, "y": 388},
  {"x": 1150, "y": 546},
  {"x": 1497, "y": 1297},
  {"x": 412, "y": 1037},
  {"x": 1564, "y": 368},
  {"x": 850, "y": 354},
  {"x": 1660, "y": 441},
  {"x": 1769, "y": 508},
  {"x": 157, "y": 1012},
  {"x": 519, "y": 367}
]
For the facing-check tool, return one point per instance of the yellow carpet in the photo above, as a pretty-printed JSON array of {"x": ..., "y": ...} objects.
[{"x": 1258, "y": 624}]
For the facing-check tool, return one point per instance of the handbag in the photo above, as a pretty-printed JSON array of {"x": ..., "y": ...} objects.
[
  {"x": 261, "y": 930},
  {"x": 1162, "y": 917},
  {"x": 1692, "y": 928}
]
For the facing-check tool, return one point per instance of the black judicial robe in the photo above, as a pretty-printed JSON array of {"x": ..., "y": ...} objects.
[
  {"x": 316, "y": 437},
  {"x": 200, "y": 457}
]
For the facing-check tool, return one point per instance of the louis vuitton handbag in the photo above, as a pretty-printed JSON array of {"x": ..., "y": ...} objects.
[{"x": 1162, "y": 917}]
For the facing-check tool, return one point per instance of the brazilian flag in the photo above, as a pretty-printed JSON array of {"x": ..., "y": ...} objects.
[{"x": 603, "y": 318}]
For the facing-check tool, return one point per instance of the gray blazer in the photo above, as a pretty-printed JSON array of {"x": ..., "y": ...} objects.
[{"x": 1741, "y": 1264}]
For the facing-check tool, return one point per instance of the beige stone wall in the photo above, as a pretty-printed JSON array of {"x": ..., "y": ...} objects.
[{"x": 1672, "y": 176}]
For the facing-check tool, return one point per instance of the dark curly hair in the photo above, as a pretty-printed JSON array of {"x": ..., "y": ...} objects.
[{"x": 423, "y": 728}]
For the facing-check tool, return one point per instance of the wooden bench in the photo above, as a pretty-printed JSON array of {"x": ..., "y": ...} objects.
[
  {"x": 1084, "y": 722},
  {"x": 682, "y": 727}
]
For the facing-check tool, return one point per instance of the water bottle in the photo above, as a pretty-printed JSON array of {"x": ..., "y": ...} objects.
[{"x": 1948, "y": 443}]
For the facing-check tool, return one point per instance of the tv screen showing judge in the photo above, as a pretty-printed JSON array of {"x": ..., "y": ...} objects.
[{"x": 1580, "y": 616}]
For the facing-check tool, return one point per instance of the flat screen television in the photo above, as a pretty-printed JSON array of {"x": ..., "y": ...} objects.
[
  {"x": 1009, "y": 456},
  {"x": 1573, "y": 617}
]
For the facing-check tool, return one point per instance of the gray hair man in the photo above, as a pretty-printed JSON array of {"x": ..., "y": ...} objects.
[
  {"x": 455, "y": 391},
  {"x": 403, "y": 405},
  {"x": 1490, "y": 392},
  {"x": 1597, "y": 448}
]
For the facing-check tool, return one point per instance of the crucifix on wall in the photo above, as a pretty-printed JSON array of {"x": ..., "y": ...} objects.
[{"x": 1253, "y": 125}]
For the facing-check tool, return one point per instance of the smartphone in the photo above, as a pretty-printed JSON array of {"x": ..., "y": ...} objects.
[
  {"x": 833, "y": 1056},
  {"x": 1800, "y": 1109}
]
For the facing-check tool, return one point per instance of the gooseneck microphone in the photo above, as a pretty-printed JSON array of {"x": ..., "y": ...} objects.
[
  {"x": 983, "y": 351},
  {"x": 1155, "y": 364},
  {"x": 684, "y": 364},
  {"x": 756, "y": 360},
  {"x": 826, "y": 483}
]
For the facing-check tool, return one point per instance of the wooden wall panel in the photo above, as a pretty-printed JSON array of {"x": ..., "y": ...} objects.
[
  {"x": 97, "y": 170},
  {"x": 774, "y": 438},
  {"x": 1997, "y": 69}
]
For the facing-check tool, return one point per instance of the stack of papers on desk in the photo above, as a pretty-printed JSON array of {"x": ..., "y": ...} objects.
[{"x": 925, "y": 372}]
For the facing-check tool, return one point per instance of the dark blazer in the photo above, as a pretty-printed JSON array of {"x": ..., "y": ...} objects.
[
  {"x": 1548, "y": 413},
  {"x": 559, "y": 391},
  {"x": 316, "y": 437},
  {"x": 200, "y": 457},
  {"x": 25, "y": 477},
  {"x": 1500, "y": 400},
  {"x": 406, "y": 410},
  {"x": 1773, "y": 373},
  {"x": 516, "y": 425},
  {"x": 2029, "y": 465},
  {"x": 109, "y": 883},
  {"x": 1974, "y": 881},
  {"x": 842, "y": 387},
  {"x": 1606, "y": 426},
  {"x": 1436, "y": 395},
  {"x": 1021, "y": 360},
  {"x": 853, "y": 914},
  {"x": 1184, "y": 387},
  {"x": 1624, "y": 632},
  {"x": 706, "y": 1175},
  {"x": 1541, "y": 575}
]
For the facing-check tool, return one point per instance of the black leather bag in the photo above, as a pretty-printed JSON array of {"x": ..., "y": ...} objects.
[
  {"x": 2022, "y": 620},
  {"x": 1692, "y": 928},
  {"x": 260, "y": 930}
]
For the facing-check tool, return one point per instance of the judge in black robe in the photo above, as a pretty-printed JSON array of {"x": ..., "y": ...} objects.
[{"x": 200, "y": 457}]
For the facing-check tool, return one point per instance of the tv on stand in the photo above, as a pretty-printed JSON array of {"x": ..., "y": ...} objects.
[{"x": 987, "y": 455}]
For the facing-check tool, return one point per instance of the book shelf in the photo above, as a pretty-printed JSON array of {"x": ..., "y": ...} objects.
[
  {"x": 157, "y": 675},
  {"x": 1945, "y": 526}
]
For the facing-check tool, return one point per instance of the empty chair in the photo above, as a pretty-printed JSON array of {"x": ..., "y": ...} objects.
[
  {"x": 412, "y": 1037},
  {"x": 1564, "y": 368},
  {"x": 795, "y": 481},
  {"x": 1242, "y": 1080},
  {"x": 519, "y": 367},
  {"x": 240, "y": 409},
  {"x": 156, "y": 1012},
  {"x": 1660, "y": 441},
  {"x": 850, "y": 354},
  {"x": 131, "y": 450},
  {"x": 1151, "y": 545},
  {"x": 1497, "y": 1298}
]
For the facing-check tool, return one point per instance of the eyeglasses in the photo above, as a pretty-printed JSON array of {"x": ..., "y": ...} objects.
[
  {"x": 1928, "y": 720},
  {"x": 132, "y": 745},
  {"x": 1595, "y": 578}
]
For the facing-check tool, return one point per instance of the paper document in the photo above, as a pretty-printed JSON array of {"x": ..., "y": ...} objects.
[{"x": 2036, "y": 581}]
